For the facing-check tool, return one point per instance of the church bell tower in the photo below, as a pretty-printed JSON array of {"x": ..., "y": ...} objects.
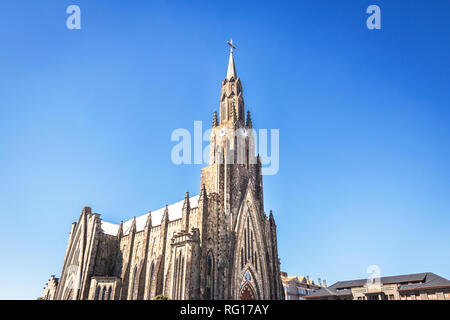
[
  {"x": 237, "y": 232},
  {"x": 232, "y": 144}
]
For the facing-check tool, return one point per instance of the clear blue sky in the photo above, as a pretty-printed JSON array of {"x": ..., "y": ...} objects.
[{"x": 86, "y": 118}]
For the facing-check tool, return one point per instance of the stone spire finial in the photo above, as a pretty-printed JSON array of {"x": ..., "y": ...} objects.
[
  {"x": 271, "y": 218},
  {"x": 148, "y": 223},
  {"x": 87, "y": 210},
  {"x": 249, "y": 120},
  {"x": 203, "y": 195},
  {"x": 120, "y": 231},
  {"x": 186, "y": 203},
  {"x": 166, "y": 213},
  {"x": 231, "y": 73},
  {"x": 215, "y": 122},
  {"x": 186, "y": 213}
]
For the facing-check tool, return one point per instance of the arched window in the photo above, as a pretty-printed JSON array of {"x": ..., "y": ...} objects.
[
  {"x": 76, "y": 256},
  {"x": 247, "y": 151},
  {"x": 251, "y": 248},
  {"x": 248, "y": 239},
  {"x": 152, "y": 271},
  {"x": 97, "y": 293},
  {"x": 245, "y": 246},
  {"x": 176, "y": 276},
  {"x": 134, "y": 282},
  {"x": 69, "y": 289},
  {"x": 236, "y": 151},
  {"x": 180, "y": 279},
  {"x": 209, "y": 277},
  {"x": 104, "y": 293},
  {"x": 222, "y": 112},
  {"x": 109, "y": 293}
]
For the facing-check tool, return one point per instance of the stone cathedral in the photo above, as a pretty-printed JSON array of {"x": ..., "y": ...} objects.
[{"x": 218, "y": 245}]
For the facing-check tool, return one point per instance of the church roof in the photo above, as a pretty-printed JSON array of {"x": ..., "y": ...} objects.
[
  {"x": 109, "y": 228},
  {"x": 175, "y": 212}
]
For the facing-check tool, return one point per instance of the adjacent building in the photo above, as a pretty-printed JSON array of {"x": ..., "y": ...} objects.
[
  {"x": 50, "y": 288},
  {"x": 297, "y": 288},
  {"x": 419, "y": 286}
]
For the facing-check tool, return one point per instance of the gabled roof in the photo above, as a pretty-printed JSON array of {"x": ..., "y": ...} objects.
[
  {"x": 431, "y": 281},
  {"x": 416, "y": 277},
  {"x": 416, "y": 281},
  {"x": 329, "y": 292},
  {"x": 175, "y": 212}
]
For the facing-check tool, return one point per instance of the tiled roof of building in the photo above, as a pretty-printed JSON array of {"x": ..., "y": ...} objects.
[
  {"x": 431, "y": 281},
  {"x": 401, "y": 279},
  {"x": 424, "y": 280},
  {"x": 384, "y": 280},
  {"x": 327, "y": 292}
]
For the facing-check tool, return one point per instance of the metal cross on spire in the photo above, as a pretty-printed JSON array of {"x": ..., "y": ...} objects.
[{"x": 230, "y": 43}]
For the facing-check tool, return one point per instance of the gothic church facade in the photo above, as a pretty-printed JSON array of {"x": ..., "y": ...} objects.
[{"x": 218, "y": 245}]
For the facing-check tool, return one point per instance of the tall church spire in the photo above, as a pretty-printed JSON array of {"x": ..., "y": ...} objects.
[
  {"x": 231, "y": 100},
  {"x": 231, "y": 73}
]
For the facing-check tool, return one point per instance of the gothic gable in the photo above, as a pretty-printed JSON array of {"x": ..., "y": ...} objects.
[{"x": 249, "y": 255}]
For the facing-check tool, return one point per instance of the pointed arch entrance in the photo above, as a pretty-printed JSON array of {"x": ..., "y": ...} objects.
[{"x": 247, "y": 293}]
